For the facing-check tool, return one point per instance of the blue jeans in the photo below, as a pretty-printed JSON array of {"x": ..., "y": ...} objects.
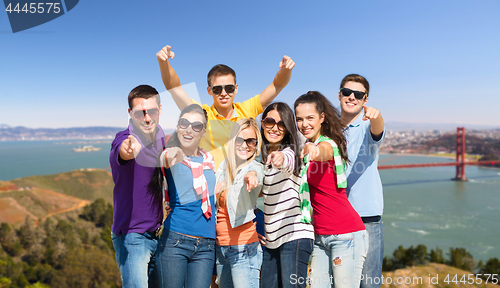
[
  {"x": 372, "y": 268},
  {"x": 238, "y": 266},
  {"x": 286, "y": 266},
  {"x": 135, "y": 256},
  {"x": 337, "y": 260},
  {"x": 185, "y": 261}
]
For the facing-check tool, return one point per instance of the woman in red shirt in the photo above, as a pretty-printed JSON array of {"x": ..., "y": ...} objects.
[{"x": 341, "y": 241}]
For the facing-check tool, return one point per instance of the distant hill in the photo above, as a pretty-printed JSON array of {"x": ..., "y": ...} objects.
[
  {"x": 405, "y": 126},
  {"x": 8, "y": 133},
  {"x": 39, "y": 197},
  {"x": 87, "y": 184}
]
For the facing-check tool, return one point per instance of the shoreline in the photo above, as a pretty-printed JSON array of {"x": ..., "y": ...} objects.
[
  {"x": 420, "y": 154},
  {"x": 447, "y": 155}
]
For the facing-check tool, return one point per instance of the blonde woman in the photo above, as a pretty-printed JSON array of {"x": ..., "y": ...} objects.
[{"x": 239, "y": 178}]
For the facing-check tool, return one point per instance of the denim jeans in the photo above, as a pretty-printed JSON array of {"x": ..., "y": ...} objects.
[
  {"x": 135, "y": 256},
  {"x": 185, "y": 261},
  {"x": 337, "y": 260},
  {"x": 238, "y": 266},
  {"x": 372, "y": 269},
  {"x": 286, "y": 266}
]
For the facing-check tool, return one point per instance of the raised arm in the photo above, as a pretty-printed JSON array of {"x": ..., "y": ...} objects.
[
  {"x": 170, "y": 79},
  {"x": 280, "y": 81}
]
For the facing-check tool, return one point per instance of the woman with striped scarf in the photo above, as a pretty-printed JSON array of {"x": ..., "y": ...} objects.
[
  {"x": 186, "y": 249},
  {"x": 341, "y": 241}
]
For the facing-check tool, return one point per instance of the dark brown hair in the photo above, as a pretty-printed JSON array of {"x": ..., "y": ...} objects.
[
  {"x": 220, "y": 70},
  {"x": 356, "y": 78},
  {"x": 290, "y": 139},
  {"x": 331, "y": 126},
  {"x": 143, "y": 91}
]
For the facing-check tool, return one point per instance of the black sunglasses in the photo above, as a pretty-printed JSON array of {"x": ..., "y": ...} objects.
[
  {"x": 357, "y": 94},
  {"x": 270, "y": 122},
  {"x": 218, "y": 89},
  {"x": 251, "y": 142},
  {"x": 140, "y": 114},
  {"x": 184, "y": 124}
]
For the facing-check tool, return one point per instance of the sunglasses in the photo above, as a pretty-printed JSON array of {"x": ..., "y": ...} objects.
[
  {"x": 218, "y": 89},
  {"x": 140, "y": 114},
  {"x": 269, "y": 123},
  {"x": 251, "y": 142},
  {"x": 184, "y": 124},
  {"x": 357, "y": 94}
]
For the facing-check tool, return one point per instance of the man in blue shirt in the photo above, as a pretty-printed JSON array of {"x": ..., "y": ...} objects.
[{"x": 364, "y": 133}]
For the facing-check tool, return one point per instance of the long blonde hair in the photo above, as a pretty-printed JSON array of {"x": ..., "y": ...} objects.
[{"x": 231, "y": 166}]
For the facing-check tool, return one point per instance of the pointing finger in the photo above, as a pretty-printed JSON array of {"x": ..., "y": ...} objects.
[{"x": 269, "y": 159}]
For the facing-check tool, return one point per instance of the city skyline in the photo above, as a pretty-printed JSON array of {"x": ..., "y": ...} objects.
[{"x": 427, "y": 62}]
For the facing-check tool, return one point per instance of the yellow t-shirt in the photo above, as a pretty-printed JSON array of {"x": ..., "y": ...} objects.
[{"x": 218, "y": 128}]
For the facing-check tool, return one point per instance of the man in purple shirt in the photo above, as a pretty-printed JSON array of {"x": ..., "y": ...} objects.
[{"x": 137, "y": 214}]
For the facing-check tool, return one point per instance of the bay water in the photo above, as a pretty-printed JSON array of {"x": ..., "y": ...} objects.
[{"x": 422, "y": 205}]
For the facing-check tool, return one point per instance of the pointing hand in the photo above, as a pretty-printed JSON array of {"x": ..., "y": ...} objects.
[
  {"x": 251, "y": 180},
  {"x": 370, "y": 113},
  {"x": 287, "y": 63},
  {"x": 173, "y": 156},
  {"x": 311, "y": 149},
  {"x": 277, "y": 158},
  {"x": 164, "y": 54},
  {"x": 130, "y": 148}
]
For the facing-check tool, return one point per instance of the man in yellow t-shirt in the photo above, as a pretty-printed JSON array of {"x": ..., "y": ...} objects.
[{"x": 223, "y": 113}]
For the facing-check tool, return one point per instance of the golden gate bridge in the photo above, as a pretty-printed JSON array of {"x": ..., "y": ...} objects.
[{"x": 460, "y": 160}]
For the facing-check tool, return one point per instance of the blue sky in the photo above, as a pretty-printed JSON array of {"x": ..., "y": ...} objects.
[{"x": 427, "y": 61}]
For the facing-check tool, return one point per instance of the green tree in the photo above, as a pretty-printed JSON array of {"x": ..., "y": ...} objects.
[
  {"x": 95, "y": 211},
  {"x": 420, "y": 255},
  {"x": 399, "y": 257},
  {"x": 27, "y": 233},
  {"x": 5, "y": 282},
  {"x": 87, "y": 268},
  {"x": 436, "y": 256},
  {"x": 38, "y": 285},
  {"x": 492, "y": 266},
  {"x": 387, "y": 264},
  {"x": 460, "y": 258},
  {"x": 10, "y": 243}
]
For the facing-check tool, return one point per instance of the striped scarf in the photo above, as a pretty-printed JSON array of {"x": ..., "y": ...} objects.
[
  {"x": 199, "y": 181},
  {"x": 305, "y": 200}
]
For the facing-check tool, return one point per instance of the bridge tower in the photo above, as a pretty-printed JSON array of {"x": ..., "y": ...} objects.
[{"x": 460, "y": 172}]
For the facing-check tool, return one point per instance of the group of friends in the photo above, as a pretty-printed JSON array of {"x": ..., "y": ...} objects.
[{"x": 185, "y": 204}]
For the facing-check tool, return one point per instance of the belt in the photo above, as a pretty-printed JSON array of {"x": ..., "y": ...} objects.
[
  {"x": 371, "y": 219},
  {"x": 157, "y": 232}
]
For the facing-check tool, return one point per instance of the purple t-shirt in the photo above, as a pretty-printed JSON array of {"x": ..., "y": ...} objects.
[{"x": 134, "y": 208}]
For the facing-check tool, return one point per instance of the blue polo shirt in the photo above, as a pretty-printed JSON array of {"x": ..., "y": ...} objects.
[
  {"x": 134, "y": 210},
  {"x": 364, "y": 187}
]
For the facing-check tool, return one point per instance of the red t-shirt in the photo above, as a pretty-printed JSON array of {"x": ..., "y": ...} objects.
[{"x": 332, "y": 211}]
